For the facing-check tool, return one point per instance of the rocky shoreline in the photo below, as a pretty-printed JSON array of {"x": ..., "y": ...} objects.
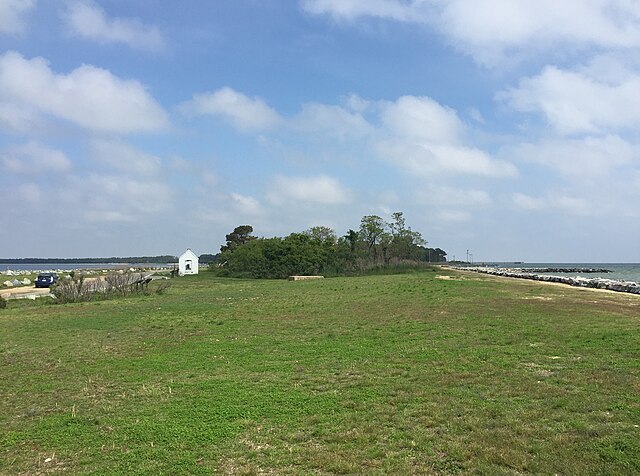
[
  {"x": 559, "y": 270},
  {"x": 532, "y": 274}
]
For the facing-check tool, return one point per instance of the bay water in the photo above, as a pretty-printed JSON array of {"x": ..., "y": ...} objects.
[{"x": 619, "y": 271}]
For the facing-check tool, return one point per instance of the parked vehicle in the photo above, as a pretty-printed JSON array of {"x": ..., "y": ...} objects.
[{"x": 44, "y": 280}]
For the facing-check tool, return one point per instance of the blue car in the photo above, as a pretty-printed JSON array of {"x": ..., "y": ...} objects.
[{"x": 44, "y": 280}]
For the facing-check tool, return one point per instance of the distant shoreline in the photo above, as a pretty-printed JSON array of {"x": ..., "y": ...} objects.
[
  {"x": 110, "y": 260},
  {"x": 27, "y": 268}
]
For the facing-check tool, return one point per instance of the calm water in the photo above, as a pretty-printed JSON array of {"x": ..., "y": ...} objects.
[
  {"x": 72, "y": 266},
  {"x": 621, "y": 271}
]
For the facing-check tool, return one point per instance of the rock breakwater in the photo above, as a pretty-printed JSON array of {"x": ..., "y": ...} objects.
[
  {"x": 560, "y": 270},
  {"x": 579, "y": 281}
]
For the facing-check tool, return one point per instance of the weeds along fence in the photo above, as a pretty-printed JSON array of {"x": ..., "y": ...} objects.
[{"x": 80, "y": 288}]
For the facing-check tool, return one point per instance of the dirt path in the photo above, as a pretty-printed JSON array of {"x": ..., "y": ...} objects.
[{"x": 22, "y": 291}]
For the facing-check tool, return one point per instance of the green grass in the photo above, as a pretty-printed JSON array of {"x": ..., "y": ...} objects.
[{"x": 402, "y": 374}]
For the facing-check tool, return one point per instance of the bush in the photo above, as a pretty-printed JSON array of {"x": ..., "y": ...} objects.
[
  {"x": 3, "y": 303},
  {"x": 77, "y": 288},
  {"x": 163, "y": 287}
]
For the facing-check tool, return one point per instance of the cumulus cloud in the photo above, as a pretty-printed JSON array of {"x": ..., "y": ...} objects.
[
  {"x": 12, "y": 14},
  {"x": 88, "y": 20},
  {"x": 117, "y": 198},
  {"x": 415, "y": 133},
  {"x": 124, "y": 157},
  {"x": 422, "y": 119},
  {"x": 245, "y": 113},
  {"x": 440, "y": 195},
  {"x": 352, "y": 9},
  {"x": 90, "y": 97},
  {"x": 245, "y": 205},
  {"x": 320, "y": 189},
  {"x": 491, "y": 30},
  {"x": 589, "y": 158},
  {"x": 33, "y": 158},
  {"x": 427, "y": 138},
  {"x": 19, "y": 118},
  {"x": 553, "y": 201},
  {"x": 574, "y": 102},
  {"x": 328, "y": 121},
  {"x": 425, "y": 160},
  {"x": 453, "y": 216},
  {"x": 452, "y": 204}
]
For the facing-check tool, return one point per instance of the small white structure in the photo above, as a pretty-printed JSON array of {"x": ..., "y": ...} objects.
[{"x": 188, "y": 263}]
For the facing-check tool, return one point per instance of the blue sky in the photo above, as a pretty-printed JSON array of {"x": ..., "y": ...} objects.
[{"x": 510, "y": 129}]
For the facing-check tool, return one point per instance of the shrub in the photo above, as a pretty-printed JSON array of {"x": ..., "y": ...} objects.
[
  {"x": 78, "y": 288},
  {"x": 74, "y": 289},
  {"x": 163, "y": 287},
  {"x": 3, "y": 303}
]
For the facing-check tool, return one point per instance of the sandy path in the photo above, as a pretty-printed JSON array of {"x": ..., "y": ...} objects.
[{"x": 23, "y": 290}]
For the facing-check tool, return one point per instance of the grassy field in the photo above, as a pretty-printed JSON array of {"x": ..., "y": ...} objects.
[{"x": 402, "y": 374}]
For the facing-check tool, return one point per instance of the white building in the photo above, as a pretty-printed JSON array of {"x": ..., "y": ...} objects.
[{"x": 188, "y": 263}]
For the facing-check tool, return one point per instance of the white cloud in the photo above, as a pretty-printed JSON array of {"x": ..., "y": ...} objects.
[
  {"x": 426, "y": 160},
  {"x": 453, "y": 216},
  {"x": 125, "y": 157},
  {"x": 491, "y": 30},
  {"x": 88, "y": 96},
  {"x": 118, "y": 198},
  {"x": 426, "y": 138},
  {"x": 527, "y": 202},
  {"x": 86, "y": 19},
  {"x": 590, "y": 158},
  {"x": 469, "y": 160},
  {"x": 12, "y": 15},
  {"x": 33, "y": 158},
  {"x": 352, "y": 9},
  {"x": 333, "y": 122},
  {"x": 320, "y": 189},
  {"x": 245, "y": 205},
  {"x": 554, "y": 201},
  {"x": 452, "y": 205},
  {"x": 19, "y": 118},
  {"x": 452, "y": 197},
  {"x": 417, "y": 134},
  {"x": 356, "y": 103},
  {"x": 243, "y": 112},
  {"x": 422, "y": 119},
  {"x": 574, "y": 103}
]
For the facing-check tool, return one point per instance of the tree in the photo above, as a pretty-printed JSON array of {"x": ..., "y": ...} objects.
[
  {"x": 406, "y": 242},
  {"x": 440, "y": 255},
  {"x": 372, "y": 227},
  {"x": 318, "y": 250},
  {"x": 207, "y": 258},
  {"x": 239, "y": 236},
  {"x": 352, "y": 237},
  {"x": 322, "y": 233}
]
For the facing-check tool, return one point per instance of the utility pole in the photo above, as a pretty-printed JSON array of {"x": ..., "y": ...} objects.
[{"x": 467, "y": 256}]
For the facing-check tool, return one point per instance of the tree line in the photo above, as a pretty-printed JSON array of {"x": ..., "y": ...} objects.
[{"x": 376, "y": 244}]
